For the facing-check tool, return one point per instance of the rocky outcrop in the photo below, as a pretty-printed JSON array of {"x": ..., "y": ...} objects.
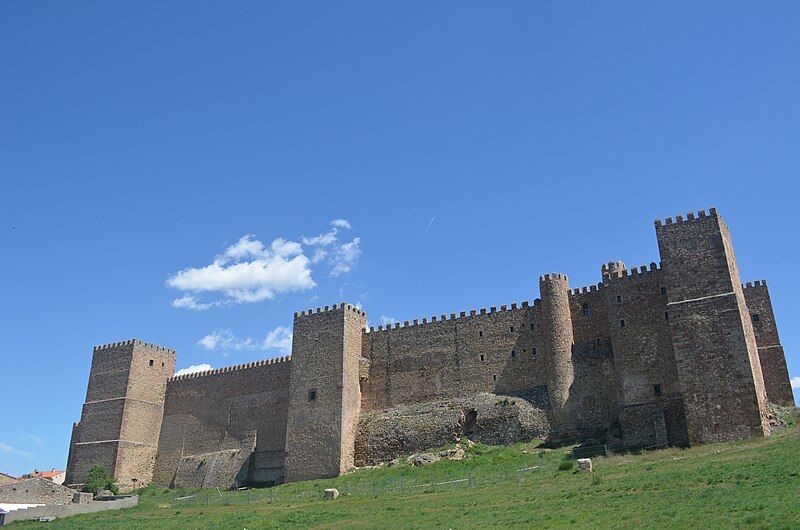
[{"x": 487, "y": 418}]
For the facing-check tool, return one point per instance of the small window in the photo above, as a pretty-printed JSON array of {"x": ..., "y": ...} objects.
[
  {"x": 480, "y": 333},
  {"x": 481, "y": 357},
  {"x": 666, "y": 316},
  {"x": 512, "y": 329},
  {"x": 756, "y": 317},
  {"x": 663, "y": 290},
  {"x": 494, "y": 377},
  {"x": 622, "y": 323},
  {"x": 513, "y": 353},
  {"x": 619, "y": 299},
  {"x": 657, "y": 390},
  {"x": 599, "y": 341},
  {"x": 151, "y": 362},
  {"x": 162, "y": 365},
  {"x": 312, "y": 394},
  {"x": 586, "y": 310},
  {"x": 532, "y": 327},
  {"x": 534, "y": 351}
]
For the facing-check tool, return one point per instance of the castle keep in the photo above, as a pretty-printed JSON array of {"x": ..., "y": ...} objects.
[{"x": 673, "y": 354}]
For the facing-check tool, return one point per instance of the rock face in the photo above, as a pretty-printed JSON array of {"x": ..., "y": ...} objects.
[
  {"x": 331, "y": 494},
  {"x": 487, "y": 418}
]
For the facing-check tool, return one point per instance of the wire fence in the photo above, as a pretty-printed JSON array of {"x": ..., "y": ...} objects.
[{"x": 405, "y": 483}]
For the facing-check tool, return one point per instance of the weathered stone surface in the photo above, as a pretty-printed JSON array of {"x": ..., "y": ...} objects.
[
  {"x": 81, "y": 498},
  {"x": 487, "y": 418},
  {"x": 585, "y": 465},
  {"x": 331, "y": 493},
  {"x": 36, "y": 490}
]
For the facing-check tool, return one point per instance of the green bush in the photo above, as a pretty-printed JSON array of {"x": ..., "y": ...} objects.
[
  {"x": 565, "y": 465},
  {"x": 99, "y": 480}
]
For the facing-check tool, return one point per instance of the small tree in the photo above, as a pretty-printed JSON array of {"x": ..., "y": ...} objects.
[{"x": 99, "y": 480}]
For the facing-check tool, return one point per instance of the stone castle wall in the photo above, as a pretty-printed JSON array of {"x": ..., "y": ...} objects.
[
  {"x": 232, "y": 417},
  {"x": 657, "y": 355}
]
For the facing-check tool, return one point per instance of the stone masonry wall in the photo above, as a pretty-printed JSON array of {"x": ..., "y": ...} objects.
[
  {"x": 770, "y": 351},
  {"x": 713, "y": 354},
  {"x": 239, "y": 412}
]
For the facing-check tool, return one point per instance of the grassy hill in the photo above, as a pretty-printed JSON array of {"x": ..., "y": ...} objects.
[{"x": 754, "y": 483}]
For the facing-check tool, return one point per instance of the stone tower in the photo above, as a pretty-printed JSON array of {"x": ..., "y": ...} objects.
[
  {"x": 121, "y": 418},
  {"x": 324, "y": 392},
  {"x": 557, "y": 339},
  {"x": 717, "y": 361}
]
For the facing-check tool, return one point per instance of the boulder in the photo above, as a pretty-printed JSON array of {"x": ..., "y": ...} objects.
[
  {"x": 331, "y": 493},
  {"x": 422, "y": 459},
  {"x": 585, "y": 465}
]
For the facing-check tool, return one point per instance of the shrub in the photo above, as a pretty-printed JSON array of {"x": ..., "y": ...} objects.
[
  {"x": 98, "y": 480},
  {"x": 565, "y": 465}
]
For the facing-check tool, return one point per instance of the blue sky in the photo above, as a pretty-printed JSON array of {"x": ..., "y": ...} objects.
[{"x": 413, "y": 157}]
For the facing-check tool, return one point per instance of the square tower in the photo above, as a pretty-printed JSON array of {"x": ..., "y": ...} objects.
[
  {"x": 324, "y": 392},
  {"x": 719, "y": 372},
  {"x": 121, "y": 418}
]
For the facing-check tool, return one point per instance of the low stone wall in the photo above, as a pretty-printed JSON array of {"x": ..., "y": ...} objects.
[
  {"x": 65, "y": 510},
  {"x": 487, "y": 418}
]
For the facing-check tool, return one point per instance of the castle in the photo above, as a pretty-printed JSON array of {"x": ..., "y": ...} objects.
[{"x": 673, "y": 354}]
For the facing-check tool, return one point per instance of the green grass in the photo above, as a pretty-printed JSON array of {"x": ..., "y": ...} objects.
[{"x": 753, "y": 483}]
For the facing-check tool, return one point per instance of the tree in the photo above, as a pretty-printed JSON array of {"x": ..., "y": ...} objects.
[{"x": 99, "y": 480}]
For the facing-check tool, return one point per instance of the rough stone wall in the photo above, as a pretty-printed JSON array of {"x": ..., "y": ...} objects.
[
  {"x": 323, "y": 392},
  {"x": 644, "y": 361},
  {"x": 722, "y": 395},
  {"x": 223, "y": 419},
  {"x": 557, "y": 342},
  {"x": 487, "y": 418},
  {"x": 121, "y": 419},
  {"x": 770, "y": 351},
  {"x": 36, "y": 490}
]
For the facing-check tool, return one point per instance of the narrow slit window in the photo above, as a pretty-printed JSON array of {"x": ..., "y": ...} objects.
[
  {"x": 599, "y": 341},
  {"x": 480, "y": 333},
  {"x": 312, "y": 394},
  {"x": 532, "y": 327},
  {"x": 512, "y": 329},
  {"x": 151, "y": 362},
  {"x": 622, "y": 323},
  {"x": 513, "y": 353},
  {"x": 657, "y": 390},
  {"x": 663, "y": 290},
  {"x": 586, "y": 310},
  {"x": 534, "y": 351},
  {"x": 494, "y": 377},
  {"x": 619, "y": 299},
  {"x": 481, "y": 357},
  {"x": 666, "y": 316}
]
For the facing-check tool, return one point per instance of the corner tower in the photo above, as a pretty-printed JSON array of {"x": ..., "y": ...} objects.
[
  {"x": 121, "y": 418},
  {"x": 717, "y": 361},
  {"x": 324, "y": 392}
]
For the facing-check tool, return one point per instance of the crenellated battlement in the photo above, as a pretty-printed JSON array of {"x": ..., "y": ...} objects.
[
  {"x": 330, "y": 309},
  {"x": 758, "y": 283},
  {"x": 634, "y": 272},
  {"x": 473, "y": 313},
  {"x": 586, "y": 289},
  {"x": 690, "y": 217},
  {"x": 132, "y": 342},
  {"x": 553, "y": 276},
  {"x": 235, "y": 368}
]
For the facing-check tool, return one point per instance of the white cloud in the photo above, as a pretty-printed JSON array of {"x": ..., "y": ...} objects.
[
  {"x": 245, "y": 272},
  {"x": 194, "y": 369},
  {"x": 795, "y": 382},
  {"x": 279, "y": 339},
  {"x": 32, "y": 439},
  {"x": 224, "y": 340},
  {"x": 345, "y": 257},
  {"x": 385, "y": 321},
  {"x": 7, "y": 449},
  {"x": 341, "y": 223}
]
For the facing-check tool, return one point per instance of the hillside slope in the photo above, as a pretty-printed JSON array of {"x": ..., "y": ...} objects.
[{"x": 750, "y": 483}]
